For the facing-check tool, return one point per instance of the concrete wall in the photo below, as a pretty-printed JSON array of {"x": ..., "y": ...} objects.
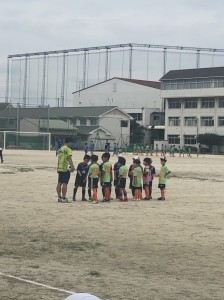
[
  {"x": 29, "y": 125},
  {"x": 119, "y": 93}
]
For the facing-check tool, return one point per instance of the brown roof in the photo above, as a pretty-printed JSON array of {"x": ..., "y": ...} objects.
[{"x": 152, "y": 84}]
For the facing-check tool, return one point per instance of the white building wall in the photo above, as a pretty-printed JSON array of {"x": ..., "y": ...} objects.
[
  {"x": 199, "y": 112},
  {"x": 119, "y": 93},
  {"x": 111, "y": 121}
]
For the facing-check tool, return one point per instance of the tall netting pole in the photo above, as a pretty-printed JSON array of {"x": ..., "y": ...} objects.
[
  {"x": 63, "y": 81},
  {"x": 130, "y": 61},
  {"x": 198, "y": 59},
  {"x": 106, "y": 63},
  {"x": 84, "y": 70},
  {"x": 43, "y": 81},
  {"x": 7, "y": 81},
  {"x": 164, "y": 60},
  {"x": 25, "y": 82}
]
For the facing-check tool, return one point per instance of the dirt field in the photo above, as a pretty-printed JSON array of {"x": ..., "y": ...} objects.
[{"x": 128, "y": 251}]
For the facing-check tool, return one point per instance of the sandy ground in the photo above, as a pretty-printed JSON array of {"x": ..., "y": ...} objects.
[{"x": 144, "y": 250}]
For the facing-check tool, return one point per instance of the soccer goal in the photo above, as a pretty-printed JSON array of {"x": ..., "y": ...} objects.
[{"x": 25, "y": 140}]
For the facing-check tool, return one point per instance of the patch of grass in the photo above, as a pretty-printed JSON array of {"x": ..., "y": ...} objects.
[
  {"x": 22, "y": 169},
  {"x": 94, "y": 273},
  {"x": 34, "y": 266},
  {"x": 80, "y": 246},
  {"x": 8, "y": 172}
]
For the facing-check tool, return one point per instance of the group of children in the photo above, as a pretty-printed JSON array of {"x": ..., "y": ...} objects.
[{"x": 141, "y": 178}]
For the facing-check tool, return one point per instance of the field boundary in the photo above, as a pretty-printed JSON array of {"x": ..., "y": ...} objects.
[{"x": 36, "y": 283}]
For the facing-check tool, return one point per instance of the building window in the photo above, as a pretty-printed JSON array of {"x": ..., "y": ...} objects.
[
  {"x": 174, "y": 121},
  {"x": 221, "y": 102},
  {"x": 82, "y": 121},
  {"x": 207, "y": 121},
  {"x": 93, "y": 122},
  {"x": 173, "y": 139},
  {"x": 114, "y": 87},
  {"x": 174, "y": 103},
  {"x": 124, "y": 123},
  {"x": 208, "y": 103},
  {"x": 221, "y": 121},
  {"x": 191, "y": 103},
  {"x": 190, "y": 139},
  {"x": 136, "y": 116},
  {"x": 190, "y": 121}
]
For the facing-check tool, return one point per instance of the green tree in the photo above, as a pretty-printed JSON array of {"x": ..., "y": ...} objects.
[
  {"x": 137, "y": 132},
  {"x": 209, "y": 139}
]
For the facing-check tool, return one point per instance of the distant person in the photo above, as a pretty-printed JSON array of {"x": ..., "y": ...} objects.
[
  {"x": 93, "y": 173},
  {"x": 92, "y": 147},
  {"x": 56, "y": 147},
  {"x": 107, "y": 176},
  {"x": 115, "y": 149},
  {"x": 106, "y": 146},
  {"x": 157, "y": 149},
  {"x": 81, "y": 177},
  {"x": 86, "y": 148},
  {"x": 65, "y": 167},
  {"x": 1, "y": 154},
  {"x": 82, "y": 296},
  {"x": 164, "y": 172},
  {"x": 123, "y": 174},
  {"x": 137, "y": 179}
]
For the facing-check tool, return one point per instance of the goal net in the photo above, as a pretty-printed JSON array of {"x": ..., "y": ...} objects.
[{"x": 25, "y": 140}]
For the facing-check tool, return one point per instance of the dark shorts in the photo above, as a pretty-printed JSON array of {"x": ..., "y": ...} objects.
[
  {"x": 93, "y": 183},
  {"x": 161, "y": 186},
  {"x": 122, "y": 184},
  {"x": 146, "y": 184},
  {"x": 116, "y": 182},
  {"x": 107, "y": 184},
  {"x": 63, "y": 177},
  {"x": 79, "y": 181}
]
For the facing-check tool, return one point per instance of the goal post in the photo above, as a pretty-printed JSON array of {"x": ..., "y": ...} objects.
[{"x": 25, "y": 140}]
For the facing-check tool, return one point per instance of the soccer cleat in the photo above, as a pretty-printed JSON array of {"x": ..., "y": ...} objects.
[
  {"x": 161, "y": 198},
  {"x": 64, "y": 200},
  {"x": 90, "y": 198},
  {"x": 105, "y": 201},
  {"x": 73, "y": 199},
  {"x": 59, "y": 199},
  {"x": 146, "y": 198},
  {"x": 94, "y": 202},
  {"x": 84, "y": 199}
]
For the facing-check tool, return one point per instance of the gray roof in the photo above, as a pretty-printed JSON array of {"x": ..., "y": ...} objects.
[
  {"x": 57, "y": 112},
  {"x": 194, "y": 73},
  {"x": 4, "y": 105},
  {"x": 87, "y": 129}
]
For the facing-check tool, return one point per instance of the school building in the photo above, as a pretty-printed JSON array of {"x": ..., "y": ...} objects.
[
  {"x": 139, "y": 98},
  {"x": 193, "y": 101}
]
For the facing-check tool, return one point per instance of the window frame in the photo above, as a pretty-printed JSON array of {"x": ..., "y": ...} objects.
[
  {"x": 191, "y": 101},
  {"x": 190, "y": 137},
  {"x": 222, "y": 120},
  {"x": 172, "y": 104},
  {"x": 207, "y": 120},
  {"x": 175, "y": 137},
  {"x": 175, "y": 121},
  {"x": 207, "y": 103}
]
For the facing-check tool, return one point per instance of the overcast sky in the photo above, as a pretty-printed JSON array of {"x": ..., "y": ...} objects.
[{"x": 39, "y": 25}]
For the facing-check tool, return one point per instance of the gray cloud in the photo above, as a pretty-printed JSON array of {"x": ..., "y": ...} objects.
[{"x": 38, "y": 25}]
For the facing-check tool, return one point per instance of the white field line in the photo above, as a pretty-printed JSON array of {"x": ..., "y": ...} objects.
[{"x": 36, "y": 283}]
